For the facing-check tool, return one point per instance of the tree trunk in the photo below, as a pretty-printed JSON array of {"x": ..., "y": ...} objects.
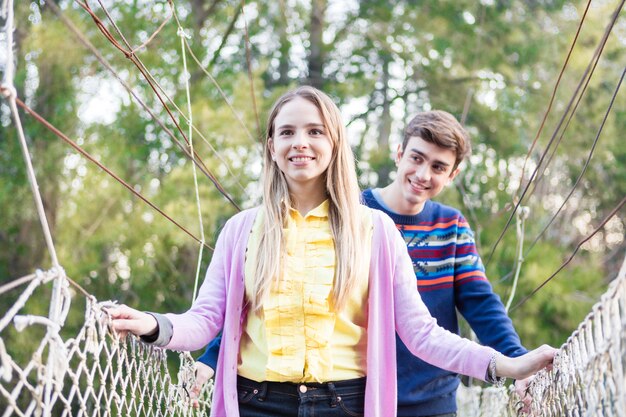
[
  {"x": 384, "y": 127},
  {"x": 285, "y": 46},
  {"x": 316, "y": 47}
]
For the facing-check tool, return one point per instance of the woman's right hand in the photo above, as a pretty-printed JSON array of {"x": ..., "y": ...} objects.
[
  {"x": 125, "y": 319},
  {"x": 525, "y": 365}
]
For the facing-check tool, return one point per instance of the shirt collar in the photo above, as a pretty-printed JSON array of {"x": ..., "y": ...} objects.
[{"x": 320, "y": 211}]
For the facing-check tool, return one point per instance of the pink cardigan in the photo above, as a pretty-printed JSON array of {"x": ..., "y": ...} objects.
[{"x": 394, "y": 306}]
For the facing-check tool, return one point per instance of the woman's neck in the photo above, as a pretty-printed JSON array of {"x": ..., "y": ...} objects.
[{"x": 306, "y": 198}]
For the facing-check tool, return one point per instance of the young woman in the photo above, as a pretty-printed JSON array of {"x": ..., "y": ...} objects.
[{"x": 310, "y": 288}]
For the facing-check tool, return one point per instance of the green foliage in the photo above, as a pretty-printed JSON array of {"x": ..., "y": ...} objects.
[{"x": 382, "y": 62}]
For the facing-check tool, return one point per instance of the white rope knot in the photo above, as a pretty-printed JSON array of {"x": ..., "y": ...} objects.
[
  {"x": 58, "y": 271},
  {"x": 523, "y": 212},
  {"x": 91, "y": 321},
  {"x": 21, "y": 322},
  {"x": 182, "y": 33},
  {"x": 58, "y": 350},
  {"x": 8, "y": 91}
]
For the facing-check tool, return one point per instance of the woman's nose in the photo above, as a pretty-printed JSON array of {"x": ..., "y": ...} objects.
[{"x": 300, "y": 140}]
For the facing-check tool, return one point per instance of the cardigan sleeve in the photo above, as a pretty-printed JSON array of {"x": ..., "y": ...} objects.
[
  {"x": 418, "y": 329},
  {"x": 200, "y": 324}
]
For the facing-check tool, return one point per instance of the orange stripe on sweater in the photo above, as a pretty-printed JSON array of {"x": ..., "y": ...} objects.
[
  {"x": 430, "y": 228},
  {"x": 427, "y": 282}
]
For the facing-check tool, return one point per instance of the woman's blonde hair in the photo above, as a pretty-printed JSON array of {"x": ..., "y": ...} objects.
[{"x": 344, "y": 198}]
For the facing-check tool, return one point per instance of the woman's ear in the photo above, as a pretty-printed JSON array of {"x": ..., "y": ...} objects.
[{"x": 270, "y": 146}]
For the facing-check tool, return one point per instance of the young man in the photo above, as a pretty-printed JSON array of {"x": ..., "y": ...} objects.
[{"x": 450, "y": 275}]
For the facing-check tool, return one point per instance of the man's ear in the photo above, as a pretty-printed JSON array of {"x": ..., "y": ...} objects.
[
  {"x": 453, "y": 175},
  {"x": 398, "y": 155}
]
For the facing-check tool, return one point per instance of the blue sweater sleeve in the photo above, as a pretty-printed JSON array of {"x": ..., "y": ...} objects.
[
  {"x": 209, "y": 357},
  {"x": 477, "y": 302}
]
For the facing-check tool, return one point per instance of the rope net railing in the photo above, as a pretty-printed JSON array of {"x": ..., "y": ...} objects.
[
  {"x": 95, "y": 373},
  {"x": 51, "y": 368},
  {"x": 89, "y": 373},
  {"x": 589, "y": 373}
]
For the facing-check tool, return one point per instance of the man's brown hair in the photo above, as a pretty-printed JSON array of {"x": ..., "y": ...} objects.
[{"x": 442, "y": 129}]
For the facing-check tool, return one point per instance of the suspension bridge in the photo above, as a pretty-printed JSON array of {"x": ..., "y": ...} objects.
[{"x": 93, "y": 372}]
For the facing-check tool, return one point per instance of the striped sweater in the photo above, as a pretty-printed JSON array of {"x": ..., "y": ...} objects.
[{"x": 450, "y": 277}]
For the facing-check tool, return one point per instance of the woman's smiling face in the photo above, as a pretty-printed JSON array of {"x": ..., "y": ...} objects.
[{"x": 300, "y": 144}]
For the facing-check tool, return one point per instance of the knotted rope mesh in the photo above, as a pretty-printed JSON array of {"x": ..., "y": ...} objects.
[
  {"x": 44, "y": 371},
  {"x": 588, "y": 377},
  {"x": 90, "y": 373}
]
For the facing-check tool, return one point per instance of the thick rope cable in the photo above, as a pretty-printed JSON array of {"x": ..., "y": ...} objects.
[
  {"x": 7, "y": 89},
  {"x": 57, "y": 310},
  {"x": 585, "y": 165},
  {"x": 553, "y": 95},
  {"x": 182, "y": 114},
  {"x": 522, "y": 215},
  {"x": 82, "y": 39},
  {"x": 215, "y": 83},
  {"x": 194, "y": 128},
  {"x": 9, "y": 93},
  {"x": 562, "y": 126},
  {"x": 151, "y": 37},
  {"x": 584, "y": 81},
  {"x": 91, "y": 158},
  {"x": 219, "y": 89},
  {"x": 145, "y": 73},
  {"x": 148, "y": 77},
  {"x": 40, "y": 277},
  {"x": 183, "y": 35},
  {"x": 16, "y": 283},
  {"x": 569, "y": 259},
  {"x": 171, "y": 101}
]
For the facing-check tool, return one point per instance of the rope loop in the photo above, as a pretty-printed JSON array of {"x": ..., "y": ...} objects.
[
  {"x": 182, "y": 33},
  {"x": 8, "y": 91}
]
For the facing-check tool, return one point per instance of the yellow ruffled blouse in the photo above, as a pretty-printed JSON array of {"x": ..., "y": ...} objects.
[{"x": 298, "y": 337}]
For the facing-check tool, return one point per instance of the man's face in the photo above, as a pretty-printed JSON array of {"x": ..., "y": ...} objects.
[{"x": 424, "y": 169}]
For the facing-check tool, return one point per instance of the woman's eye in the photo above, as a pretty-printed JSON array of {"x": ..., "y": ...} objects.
[
  {"x": 316, "y": 132},
  {"x": 284, "y": 132}
]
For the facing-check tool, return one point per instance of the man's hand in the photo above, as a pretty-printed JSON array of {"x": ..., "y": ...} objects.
[
  {"x": 203, "y": 374},
  {"x": 521, "y": 389}
]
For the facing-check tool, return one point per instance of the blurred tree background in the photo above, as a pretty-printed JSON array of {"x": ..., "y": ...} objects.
[{"x": 491, "y": 63}]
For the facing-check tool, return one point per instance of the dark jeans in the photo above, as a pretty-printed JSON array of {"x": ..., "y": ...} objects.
[{"x": 285, "y": 399}]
